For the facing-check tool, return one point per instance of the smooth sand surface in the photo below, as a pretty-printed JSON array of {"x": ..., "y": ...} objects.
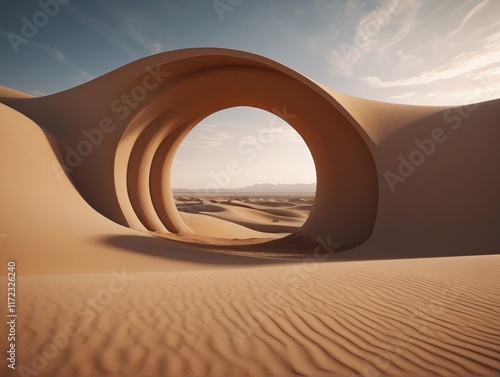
[
  {"x": 244, "y": 218},
  {"x": 372, "y": 282}
]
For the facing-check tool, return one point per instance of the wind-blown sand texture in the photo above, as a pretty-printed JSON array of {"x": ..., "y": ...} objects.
[
  {"x": 401, "y": 317},
  {"x": 118, "y": 277}
]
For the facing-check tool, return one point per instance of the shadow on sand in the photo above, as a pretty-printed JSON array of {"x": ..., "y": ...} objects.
[
  {"x": 236, "y": 255},
  {"x": 259, "y": 252}
]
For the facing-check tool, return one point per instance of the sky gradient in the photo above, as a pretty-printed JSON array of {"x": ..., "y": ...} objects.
[
  {"x": 239, "y": 147},
  {"x": 433, "y": 52}
]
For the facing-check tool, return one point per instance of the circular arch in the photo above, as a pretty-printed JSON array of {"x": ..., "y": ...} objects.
[
  {"x": 197, "y": 86},
  {"x": 249, "y": 135}
]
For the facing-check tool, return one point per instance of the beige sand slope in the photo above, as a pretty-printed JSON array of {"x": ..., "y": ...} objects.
[{"x": 85, "y": 182}]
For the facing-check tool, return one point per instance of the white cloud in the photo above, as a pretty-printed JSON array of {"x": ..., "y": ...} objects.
[
  {"x": 102, "y": 28},
  {"x": 209, "y": 125},
  {"x": 463, "y": 64},
  {"x": 82, "y": 74},
  {"x": 132, "y": 25},
  {"x": 279, "y": 133},
  {"x": 152, "y": 45},
  {"x": 375, "y": 32},
  {"x": 206, "y": 137},
  {"x": 404, "y": 95},
  {"x": 459, "y": 97},
  {"x": 487, "y": 73},
  {"x": 469, "y": 15},
  {"x": 427, "y": 48}
]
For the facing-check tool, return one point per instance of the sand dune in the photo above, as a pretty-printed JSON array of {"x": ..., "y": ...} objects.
[
  {"x": 290, "y": 207},
  {"x": 248, "y": 285},
  {"x": 256, "y": 216},
  {"x": 219, "y": 227},
  {"x": 407, "y": 317}
]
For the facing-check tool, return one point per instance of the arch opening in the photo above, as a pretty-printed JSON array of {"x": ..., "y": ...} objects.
[{"x": 243, "y": 173}]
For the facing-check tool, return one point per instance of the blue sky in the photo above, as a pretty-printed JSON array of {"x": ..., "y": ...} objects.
[{"x": 408, "y": 51}]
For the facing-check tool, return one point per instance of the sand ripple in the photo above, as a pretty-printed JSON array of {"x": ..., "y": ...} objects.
[{"x": 406, "y": 317}]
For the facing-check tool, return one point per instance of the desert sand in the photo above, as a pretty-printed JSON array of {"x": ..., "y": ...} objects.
[
  {"x": 246, "y": 217},
  {"x": 376, "y": 276},
  {"x": 410, "y": 317}
]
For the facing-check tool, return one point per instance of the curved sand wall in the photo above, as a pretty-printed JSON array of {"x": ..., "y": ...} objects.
[
  {"x": 377, "y": 172},
  {"x": 119, "y": 134}
]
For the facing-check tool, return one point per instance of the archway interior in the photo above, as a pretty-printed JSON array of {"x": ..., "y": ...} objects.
[
  {"x": 243, "y": 173},
  {"x": 345, "y": 204}
]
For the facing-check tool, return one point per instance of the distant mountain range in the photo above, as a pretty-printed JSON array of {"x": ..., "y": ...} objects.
[{"x": 261, "y": 188}]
